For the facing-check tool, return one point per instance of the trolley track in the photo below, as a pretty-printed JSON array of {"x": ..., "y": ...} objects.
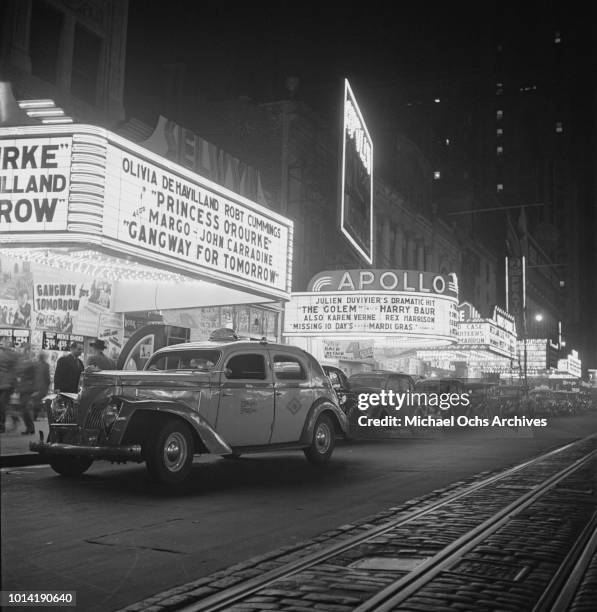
[
  {"x": 398, "y": 592},
  {"x": 391, "y": 591}
]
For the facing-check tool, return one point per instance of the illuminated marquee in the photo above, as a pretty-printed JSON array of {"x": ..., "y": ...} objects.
[
  {"x": 496, "y": 335},
  {"x": 364, "y": 314},
  {"x": 84, "y": 185},
  {"x": 356, "y": 179},
  {"x": 34, "y": 183},
  {"x": 385, "y": 280}
]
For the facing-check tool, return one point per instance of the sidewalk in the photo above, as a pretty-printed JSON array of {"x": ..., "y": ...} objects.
[{"x": 14, "y": 447}]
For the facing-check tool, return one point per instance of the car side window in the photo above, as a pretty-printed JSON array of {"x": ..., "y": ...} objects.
[
  {"x": 288, "y": 367},
  {"x": 246, "y": 366},
  {"x": 333, "y": 376}
]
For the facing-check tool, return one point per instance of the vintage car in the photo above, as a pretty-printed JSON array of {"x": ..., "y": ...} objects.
[
  {"x": 218, "y": 397},
  {"x": 375, "y": 381},
  {"x": 340, "y": 385},
  {"x": 432, "y": 388}
]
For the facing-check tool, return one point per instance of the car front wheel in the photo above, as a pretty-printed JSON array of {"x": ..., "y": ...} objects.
[
  {"x": 322, "y": 442},
  {"x": 70, "y": 466},
  {"x": 170, "y": 454}
]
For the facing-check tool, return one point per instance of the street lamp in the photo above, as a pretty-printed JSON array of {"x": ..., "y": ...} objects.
[{"x": 538, "y": 317}]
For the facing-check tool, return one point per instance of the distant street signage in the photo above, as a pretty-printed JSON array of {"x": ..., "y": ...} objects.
[
  {"x": 347, "y": 351},
  {"x": 15, "y": 337},
  {"x": 572, "y": 364},
  {"x": 515, "y": 289},
  {"x": 356, "y": 178},
  {"x": 496, "y": 335},
  {"x": 54, "y": 341},
  {"x": 80, "y": 184}
]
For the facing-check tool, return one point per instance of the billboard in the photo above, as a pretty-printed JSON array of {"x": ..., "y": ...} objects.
[{"x": 356, "y": 178}]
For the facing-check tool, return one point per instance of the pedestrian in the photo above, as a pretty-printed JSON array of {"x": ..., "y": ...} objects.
[
  {"x": 42, "y": 381},
  {"x": 99, "y": 361},
  {"x": 26, "y": 388},
  {"x": 68, "y": 370},
  {"x": 8, "y": 378}
]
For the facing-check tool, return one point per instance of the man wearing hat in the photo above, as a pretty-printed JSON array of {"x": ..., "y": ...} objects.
[
  {"x": 68, "y": 370},
  {"x": 98, "y": 361}
]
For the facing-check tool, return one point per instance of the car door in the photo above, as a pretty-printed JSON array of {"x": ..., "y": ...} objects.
[
  {"x": 246, "y": 403},
  {"x": 293, "y": 395}
]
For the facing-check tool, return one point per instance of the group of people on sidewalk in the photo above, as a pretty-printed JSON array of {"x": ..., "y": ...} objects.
[{"x": 25, "y": 381}]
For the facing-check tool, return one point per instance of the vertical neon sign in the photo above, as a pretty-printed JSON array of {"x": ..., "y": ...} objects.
[{"x": 356, "y": 179}]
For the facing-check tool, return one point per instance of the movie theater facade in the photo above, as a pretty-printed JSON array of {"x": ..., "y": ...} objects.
[{"x": 98, "y": 235}]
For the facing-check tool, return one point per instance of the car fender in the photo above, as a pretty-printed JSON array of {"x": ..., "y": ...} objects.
[
  {"x": 211, "y": 439},
  {"x": 320, "y": 406}
]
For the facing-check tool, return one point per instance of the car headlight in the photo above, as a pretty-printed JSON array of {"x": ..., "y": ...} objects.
[
  {"x": 62, "y": 409},
  {"x": 111, "y": 412}
]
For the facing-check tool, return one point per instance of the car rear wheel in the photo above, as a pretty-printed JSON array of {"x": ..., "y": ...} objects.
[
  {"x": 322, "y": 442},
  {"x": 170, "y": 454},
  {"x": 70, "y": 466}
]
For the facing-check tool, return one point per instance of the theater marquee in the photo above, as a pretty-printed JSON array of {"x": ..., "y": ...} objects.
[
  {"x": 414, "y": 306},
  {"x": 82, "y": 185}
]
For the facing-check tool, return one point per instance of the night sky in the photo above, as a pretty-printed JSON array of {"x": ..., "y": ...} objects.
[
  {"x": 226, "y": 50},
  {"x": 250, "y": 48}
]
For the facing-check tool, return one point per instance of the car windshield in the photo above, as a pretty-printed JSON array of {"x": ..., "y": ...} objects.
[{"x": 190, "y": 359}]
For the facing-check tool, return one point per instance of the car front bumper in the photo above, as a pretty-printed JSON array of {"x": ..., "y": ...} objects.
[{"x": 116, "y": 453}]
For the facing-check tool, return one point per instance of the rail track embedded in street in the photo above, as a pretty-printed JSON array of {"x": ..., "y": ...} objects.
[{"x": 366, "y": 571}]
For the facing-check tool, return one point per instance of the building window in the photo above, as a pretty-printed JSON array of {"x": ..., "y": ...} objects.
[
  {"x": 46, "y": 29},
  {"x": 557, "y": 38},
  {"x": 447, "y": 142},
  {"x": 559, "y": 127},
  {"x": 86, "y": 59},
  {"x": 499, "y": 115},
  {"x": 500, "y": 150},
  {"x": 437, "y": 175},
  {"x": 499, "y": 132},
  {"x": 500, "y": 187},
  {"x": 499, "y": 89},
  {"x": 437, "y": 100}
]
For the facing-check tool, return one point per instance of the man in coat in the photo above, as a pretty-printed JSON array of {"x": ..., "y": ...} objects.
[
  {"x": 99, "y": 361},
  {"x": 68, "y": 370}
]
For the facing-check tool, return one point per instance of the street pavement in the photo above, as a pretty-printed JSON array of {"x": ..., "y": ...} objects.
[
  {"x": 14, "y": 446},
  {"x": 116, "y": 538}
]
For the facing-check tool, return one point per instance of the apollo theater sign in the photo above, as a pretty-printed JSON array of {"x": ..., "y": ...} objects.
[{"x": 408, "y": 305}]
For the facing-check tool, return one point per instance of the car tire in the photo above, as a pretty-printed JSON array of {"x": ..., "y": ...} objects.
[
  {"x": 70, "y": 466},
  {"x": 322, "y": 442},
  {"x": 170, "y": 454}
]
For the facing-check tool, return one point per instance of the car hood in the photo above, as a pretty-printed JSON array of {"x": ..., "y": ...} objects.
[{"x": 123, "y": 378}]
